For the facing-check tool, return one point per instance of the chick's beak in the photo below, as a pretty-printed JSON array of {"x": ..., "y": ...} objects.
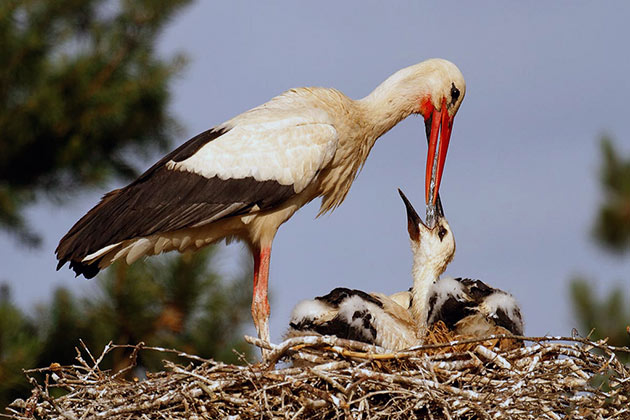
[{"x": 413, "y": 220}]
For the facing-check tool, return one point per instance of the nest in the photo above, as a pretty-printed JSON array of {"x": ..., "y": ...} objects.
[{"x": 327, "y": 377}]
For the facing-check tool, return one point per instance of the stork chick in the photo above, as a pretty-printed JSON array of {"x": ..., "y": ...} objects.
[
  {"x": 376, "y": 318},
  {"x": 467, "y": 307}
]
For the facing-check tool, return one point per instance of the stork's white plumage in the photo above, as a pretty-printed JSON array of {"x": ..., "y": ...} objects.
[{"x": 247, "y": 176}]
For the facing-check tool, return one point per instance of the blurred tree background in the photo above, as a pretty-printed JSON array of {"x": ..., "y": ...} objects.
[
  {"x": 608, "y": 316},
  {"x": 84, "y": 96},
  {"x": 174, "y": 301}
]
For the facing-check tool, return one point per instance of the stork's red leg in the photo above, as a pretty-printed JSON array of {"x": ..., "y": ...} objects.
[{"x": 260, "y": 303}]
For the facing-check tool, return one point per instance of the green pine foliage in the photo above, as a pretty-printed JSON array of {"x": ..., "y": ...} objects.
[
  {"x": 82, "y": 95},
  {"x": 608, "y": 316},
  {"x": 174, "y": 301},
  {"x": 20, "y": 347},
  {"x": 612, "y": 226}
]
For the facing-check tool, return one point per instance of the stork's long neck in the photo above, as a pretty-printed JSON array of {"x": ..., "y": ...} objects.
[
  {"x": 393, "y": 100},
  {"x": 424, "y": 275},
  {"x": 359, "y": 124}
]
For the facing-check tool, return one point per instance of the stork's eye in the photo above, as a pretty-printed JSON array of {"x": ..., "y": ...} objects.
[
  {"x": 454, "y": 93},
  {"x": 442, "y": 233}
]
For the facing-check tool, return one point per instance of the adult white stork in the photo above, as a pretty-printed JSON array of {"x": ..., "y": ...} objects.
[{"x": 244, "y": 178}]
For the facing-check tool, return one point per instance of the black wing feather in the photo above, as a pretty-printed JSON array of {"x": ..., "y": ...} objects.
[
  {"x": 164, "y": 200},
  {"x": 339, "y": 294},
  {"x": 504, "y": 320}
]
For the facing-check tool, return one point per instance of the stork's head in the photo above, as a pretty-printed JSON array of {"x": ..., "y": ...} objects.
[
  {"x": 432, "y": 247},
  {"x": 439, "y": 104},
  {"x": 434, "y": 89}
]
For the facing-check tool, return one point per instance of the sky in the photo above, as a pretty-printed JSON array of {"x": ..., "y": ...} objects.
[{"x": 520, "y": 188}]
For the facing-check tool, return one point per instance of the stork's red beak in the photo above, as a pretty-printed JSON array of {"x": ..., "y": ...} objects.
[{"x": 438, "y": 121}]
